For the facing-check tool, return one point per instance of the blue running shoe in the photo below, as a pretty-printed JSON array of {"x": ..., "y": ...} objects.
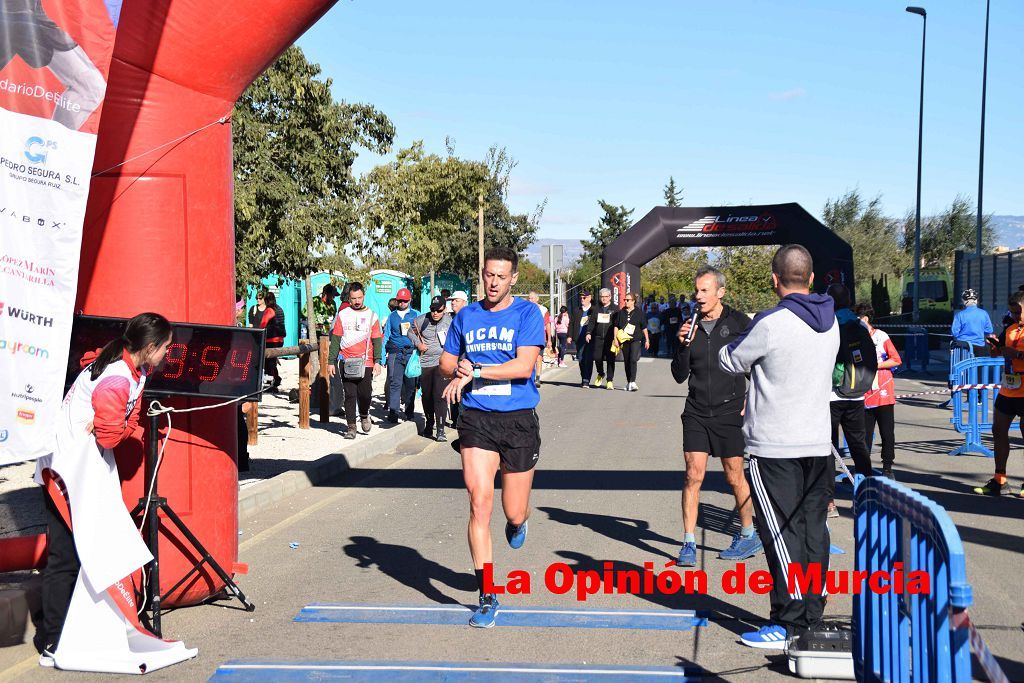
[
  {"x": 687, "y": 555},
  {"x": 516, "y": 535},
  {"x": 742, "y": 547},
  {"x": 768, "y": 637},
  {"x": 488, "y": 610}
]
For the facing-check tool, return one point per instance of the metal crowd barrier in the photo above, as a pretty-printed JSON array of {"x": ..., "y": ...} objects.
[
  {"x": 956, "y": 354},
  {"x": 899, "y": 636},
  {"x": 973, "y": 407}
]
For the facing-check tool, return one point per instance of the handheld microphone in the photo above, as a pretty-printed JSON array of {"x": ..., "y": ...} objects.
[{"x": 694, "y": 317}]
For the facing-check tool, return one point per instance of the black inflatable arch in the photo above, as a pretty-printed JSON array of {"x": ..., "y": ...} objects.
[{"x": 723, "y": 226}]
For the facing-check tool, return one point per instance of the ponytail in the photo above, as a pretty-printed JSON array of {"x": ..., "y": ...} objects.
[{"x": 141, "y": 331}]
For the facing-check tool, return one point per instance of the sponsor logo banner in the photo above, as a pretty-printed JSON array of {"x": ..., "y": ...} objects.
[
  {"x": 729, "y": 225},
  {"x": 52, "y": 86}
]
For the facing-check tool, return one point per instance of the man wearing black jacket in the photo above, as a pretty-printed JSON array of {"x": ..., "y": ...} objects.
[
  {"x": 600, "y": 329},
  {"x": 713, "y": 417},
  {"x": 578, "y": 329}
]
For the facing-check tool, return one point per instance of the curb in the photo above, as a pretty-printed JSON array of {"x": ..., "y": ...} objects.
[{"x": 257, "y": 497}]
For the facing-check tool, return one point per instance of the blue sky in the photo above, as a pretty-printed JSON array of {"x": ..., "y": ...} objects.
[{"x": 741, "y": 101}]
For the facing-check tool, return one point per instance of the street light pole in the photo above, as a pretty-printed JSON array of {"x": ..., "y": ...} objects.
[
  {"x": 920, "y": 138},
  {"x": 981, "y": 154}
]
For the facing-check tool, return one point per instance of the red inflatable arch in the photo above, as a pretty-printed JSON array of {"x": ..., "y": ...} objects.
[{"x": 159, "y": 229}]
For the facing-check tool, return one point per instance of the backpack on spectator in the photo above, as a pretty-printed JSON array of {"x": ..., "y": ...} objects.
[{"x": 856, "y": 362}]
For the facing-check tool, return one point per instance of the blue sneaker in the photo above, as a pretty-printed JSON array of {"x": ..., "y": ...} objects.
[
  {"x": 488, "y": 610},
  {"x": 687, "y": 555},
  {"x": 516, "y": 535},
  {"x": 768, "y": 637},
  {"x": 742, "y": 547}
]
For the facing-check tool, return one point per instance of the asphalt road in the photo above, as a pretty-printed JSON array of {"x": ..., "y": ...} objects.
[{"x": 607, "y": 489}]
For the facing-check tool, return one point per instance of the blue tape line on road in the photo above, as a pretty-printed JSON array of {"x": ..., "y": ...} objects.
[
  {"x": 549, "y": 617},
  {"x": 415, "y": 672}
]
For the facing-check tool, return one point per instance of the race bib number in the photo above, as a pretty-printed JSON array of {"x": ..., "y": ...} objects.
[
  {"x": 1011, "y": 380},
  {"x": 405, "y": 328},
  {"x": 492, "y": 387},
  {"x": 584, "y": 320},
  {"x": 629, "y": 329},
  {"x": 604, "y": 318},
  {"x": 673, "y": 321}
]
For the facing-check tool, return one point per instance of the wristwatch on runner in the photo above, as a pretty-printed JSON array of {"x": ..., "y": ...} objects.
[{"x": 476, "y": 370}]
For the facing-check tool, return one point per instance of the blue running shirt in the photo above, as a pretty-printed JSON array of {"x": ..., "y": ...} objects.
[{"x": 492, "y": 338}]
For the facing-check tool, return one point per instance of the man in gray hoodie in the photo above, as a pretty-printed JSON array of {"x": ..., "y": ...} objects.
[{"x": 789, "y": 352}]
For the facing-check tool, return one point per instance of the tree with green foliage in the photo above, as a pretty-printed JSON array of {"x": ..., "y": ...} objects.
[
  {"x": 673, "y": 195},
  {"x": 873, "y": 237},
  {"x": 747, "y": 276},
  {"x": 953, "y": 229},
  {"x": 294, "y": 146},
  {"x": 614, "y": 222},
  {"x": 420, "y": 211},
  {"x": 673, "y": 272}
]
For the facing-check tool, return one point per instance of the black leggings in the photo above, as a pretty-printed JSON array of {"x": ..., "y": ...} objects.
[
  {"x": 655, "y": 344},
  {"x": 563, "y": 341},
  {"x": 59, "y": 577},
  {"x": 433, "y": 384},
  {"x": 357, "y": 390},
  {"x": 270, "y": 364},
  {"x": 603, "y": 354},
  {"x": 885, "y": 417},
  {"x": 630, "y": 357}
]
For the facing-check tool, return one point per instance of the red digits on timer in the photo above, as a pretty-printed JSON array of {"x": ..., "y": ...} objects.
[
  {"x": 176, "y": 354},
  {"x": 243, "y": 366},
  {"x": 214, "y": 368}
]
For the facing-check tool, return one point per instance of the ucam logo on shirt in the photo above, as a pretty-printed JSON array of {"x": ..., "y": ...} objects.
[{"x": 489, "y": 339}]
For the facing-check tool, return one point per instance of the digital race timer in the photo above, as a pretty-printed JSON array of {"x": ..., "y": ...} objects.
[{"x": 203, "y": 360}]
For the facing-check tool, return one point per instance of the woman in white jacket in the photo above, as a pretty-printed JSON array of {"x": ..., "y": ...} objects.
[{"x": 90, "y": 615}]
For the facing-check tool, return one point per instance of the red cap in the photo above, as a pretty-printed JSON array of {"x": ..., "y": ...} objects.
[{"x": 404, "y": 295}]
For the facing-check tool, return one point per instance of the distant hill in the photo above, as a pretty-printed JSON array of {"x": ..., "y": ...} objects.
[
  {"x": 1009, "y": 231},
  {"x": 573, "y": 249}
]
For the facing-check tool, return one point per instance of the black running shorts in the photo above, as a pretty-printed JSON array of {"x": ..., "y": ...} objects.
[
  {"x": 1010, "y": 405},
  {"x": 721, "y": 436},
  {"x": 514, "y": 436}
]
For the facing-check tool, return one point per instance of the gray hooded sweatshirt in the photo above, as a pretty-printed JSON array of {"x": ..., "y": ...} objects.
[{"x": 789, "y": 352}]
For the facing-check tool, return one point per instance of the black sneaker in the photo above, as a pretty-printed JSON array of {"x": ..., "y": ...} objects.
[
  {"x": 392, "y": 417},
  {"x": 993, "y": 488},
  {"x": 440, "y": 436},
  {"x": 887, "y": 473},
  {"x": 428, "y": 430}
]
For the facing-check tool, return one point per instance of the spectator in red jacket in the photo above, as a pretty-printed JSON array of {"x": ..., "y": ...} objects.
[{"x": 880, "y": 402}]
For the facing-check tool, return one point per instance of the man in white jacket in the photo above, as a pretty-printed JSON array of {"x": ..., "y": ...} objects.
[{"x": 789, "y": 352}]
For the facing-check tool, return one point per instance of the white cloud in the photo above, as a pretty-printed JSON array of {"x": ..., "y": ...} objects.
[
  {"x": 791, "y": 94},
  {"x": 519, "y": 185}
]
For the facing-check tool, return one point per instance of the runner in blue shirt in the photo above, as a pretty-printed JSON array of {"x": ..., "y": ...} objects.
[{"x": 491, "y": 350}]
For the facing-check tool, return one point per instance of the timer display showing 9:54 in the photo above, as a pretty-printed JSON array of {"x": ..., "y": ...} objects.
[
  {"x": 203, "y": 360},
  {"x": 206, "y": 362}
]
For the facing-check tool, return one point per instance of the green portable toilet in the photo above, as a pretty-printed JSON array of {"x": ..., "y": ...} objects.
[
  {"x": 449, "y": 281},
  {"x": 288, "y": 298},
  {"x": 382, "y": 287}
]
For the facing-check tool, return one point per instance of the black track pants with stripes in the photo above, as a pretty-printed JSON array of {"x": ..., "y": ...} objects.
[{"x": 791, "y": 498}]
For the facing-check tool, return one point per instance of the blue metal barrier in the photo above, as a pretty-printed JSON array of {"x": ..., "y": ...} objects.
[
  {"x": 956, "y": 354},
  {"x": 916, "y": 348},
  {"x": 973, "y": 408},
  {"x": 899, "y": 636}
]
